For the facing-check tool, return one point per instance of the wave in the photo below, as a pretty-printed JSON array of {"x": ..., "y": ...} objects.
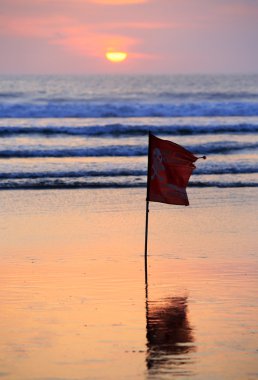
[
  {"x": 140, "y": 95},
  {"x": 219, "y": 147},
  {"x": 117, "y": 130},
  {"x": 227, "y": 168},
  {"x": 11, "y": 94},
  {"x": 59, "y": 184},
  {"x": 208, "y": 169},
  {"x": 74, "y": 174},
  {"x": 224, "y": 147},
  {"x": 94, "y": 109},
  {"x": 209, "y": 95},
  {"x": 108, "y": 151},
  {"x": 225, "y": 185}
]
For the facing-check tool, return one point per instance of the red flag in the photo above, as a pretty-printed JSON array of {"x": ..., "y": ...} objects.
[{"x": 169, "y": 169}]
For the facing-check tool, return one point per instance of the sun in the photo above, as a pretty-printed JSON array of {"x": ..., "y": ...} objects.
[{"x": 116, "y": 56}]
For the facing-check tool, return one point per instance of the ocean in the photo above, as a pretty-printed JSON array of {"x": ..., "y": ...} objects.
[{"x": 92, "y": 131}]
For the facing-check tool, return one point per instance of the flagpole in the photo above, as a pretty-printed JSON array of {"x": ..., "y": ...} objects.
[
  {"x": 147, "y": 218},
  {"x": 146, "y": 242}
]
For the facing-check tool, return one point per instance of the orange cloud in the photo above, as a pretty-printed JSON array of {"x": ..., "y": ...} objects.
[
  {"x": 239, "y": 9},
  {"x": 140, "y": 25},
  {"x": 118, "y": 2},
  {"x": 71, "y": 35},
  {"x": 86, "y": 42}
]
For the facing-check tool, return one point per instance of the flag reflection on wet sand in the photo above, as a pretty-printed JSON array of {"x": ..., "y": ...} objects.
[{"x": 169, "y": 335}]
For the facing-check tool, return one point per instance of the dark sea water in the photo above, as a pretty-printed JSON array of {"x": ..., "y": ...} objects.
[{"x": 91, "y": 131}]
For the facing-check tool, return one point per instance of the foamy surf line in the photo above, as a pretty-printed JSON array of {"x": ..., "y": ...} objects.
[
  {"x": 124, "y": 150},
  {"x": 58, "y": 184},
  {"x": 208, "y": 169},
  {"x": 128, "y": 130},
  {"x": 115, "y": 109},
  {"x": 177, "y": 95}
]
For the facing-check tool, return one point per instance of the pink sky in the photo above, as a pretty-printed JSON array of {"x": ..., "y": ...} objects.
[{"x": 160, "y": 36}]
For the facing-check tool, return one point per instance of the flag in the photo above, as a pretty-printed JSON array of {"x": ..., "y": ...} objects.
[{"x": 169, "y": 169}]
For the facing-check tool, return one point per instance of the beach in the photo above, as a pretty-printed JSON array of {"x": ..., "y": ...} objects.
[
  {"x": 74, "y": 304},
  {"x": 73, "y": 175}
]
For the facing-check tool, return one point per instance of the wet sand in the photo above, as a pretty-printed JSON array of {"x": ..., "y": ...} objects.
[{"x": 73, "y": 300}]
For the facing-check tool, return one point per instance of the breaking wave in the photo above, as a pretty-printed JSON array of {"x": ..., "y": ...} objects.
[
  {"x": 217, "y": 147},
  {"x": 117, "y": 130},
  {"x": 82, "y": 184},
  {"x": 100, "y": 109},
  {"x": 208, "y": 169}
]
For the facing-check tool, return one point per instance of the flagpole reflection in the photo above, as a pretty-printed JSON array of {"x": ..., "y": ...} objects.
[{"x": 170, "y": 339}]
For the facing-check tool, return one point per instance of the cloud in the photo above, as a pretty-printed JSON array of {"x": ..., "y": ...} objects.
[
  {"x": 79, "y": 38},
  {"x": 118, "y": 2}
]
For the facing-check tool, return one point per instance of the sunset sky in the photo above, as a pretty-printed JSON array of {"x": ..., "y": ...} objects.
[{"x": 159, "y": 36}]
